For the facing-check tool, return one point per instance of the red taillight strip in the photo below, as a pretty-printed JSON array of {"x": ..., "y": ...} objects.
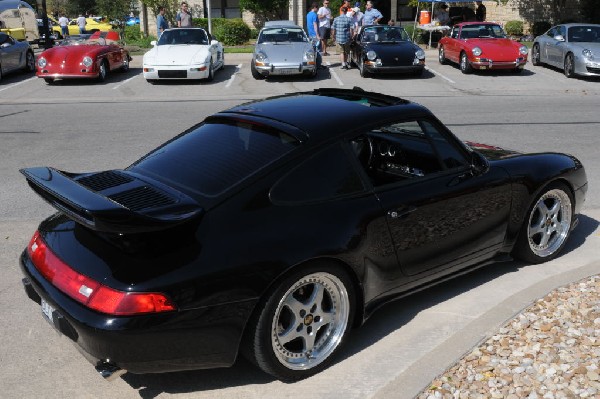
[{"x": 90, "y": 292}]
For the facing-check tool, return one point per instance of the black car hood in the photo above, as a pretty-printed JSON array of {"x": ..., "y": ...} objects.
[{"x": 403, "y": 50}]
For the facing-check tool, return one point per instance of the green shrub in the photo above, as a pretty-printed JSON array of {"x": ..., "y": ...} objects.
[
  {"x": 514, "y": 28},
  {"x": 234, "y": 32},
  {"x": 540, "y": 27},
  {"x": 230, "y": 32}
]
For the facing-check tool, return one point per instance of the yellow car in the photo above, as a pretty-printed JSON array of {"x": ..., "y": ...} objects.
[{"x": 91, "y": 26}]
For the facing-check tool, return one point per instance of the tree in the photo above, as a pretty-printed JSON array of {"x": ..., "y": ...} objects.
[
  {"x": 266, "y": 9},
  {"x": 171, "y": 8},
  {"x": 113, "y": 9}
]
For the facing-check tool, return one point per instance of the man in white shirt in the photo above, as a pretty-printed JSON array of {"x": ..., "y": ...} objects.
[
  {"x": 64, "y": 22},
  {"x": 324, "y": 17},
  {"x": 81, "y": 23}
]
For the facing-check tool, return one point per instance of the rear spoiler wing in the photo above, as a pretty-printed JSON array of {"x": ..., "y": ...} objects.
[{"x": 113, "y": 201}]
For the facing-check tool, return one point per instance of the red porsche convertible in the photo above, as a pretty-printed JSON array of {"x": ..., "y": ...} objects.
[
  {"x": 482, "y": 45},
  {"x": 83, "y": 57}
]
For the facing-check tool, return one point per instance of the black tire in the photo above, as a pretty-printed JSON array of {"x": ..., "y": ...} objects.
[
  {"x": 103, "y": 71},
  {"x": 49, "y": 80},
  {"x": 517, "y": 70},
  {"x": 152, "y": 81},
  {"x": 363, "y": 71},
  {"x": 211, "y": 73},
  {"x": 536, "y": 57},
  {"x": 125, "y": 67},
  {"x": 0, "y": 72},
  {"x": 569, "y": 66},
  {"x": 465, "y": 65},
  {"x": 222, "y": 61},
  {"x": 547, "y": 225},
  {"x": 255, "y": 74},
  {"x": 29, "y": 62},
  {"x": 442, "y": 56},
  {"x": 319, "y": 300}
]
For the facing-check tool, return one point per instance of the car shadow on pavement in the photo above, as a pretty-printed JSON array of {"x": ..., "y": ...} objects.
[
  {"x": 112, "y": 77},
  {"x": 551, "y": 68},
  {"x": 384, "y": 322}
]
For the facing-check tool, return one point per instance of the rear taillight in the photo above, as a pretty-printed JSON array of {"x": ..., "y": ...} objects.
[{"x": 90, "y": 292}]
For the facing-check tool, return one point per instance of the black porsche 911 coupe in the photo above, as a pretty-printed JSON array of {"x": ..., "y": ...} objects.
[
  {"x": 383, "y": 49},
  {"x": 263, "y": 232}
]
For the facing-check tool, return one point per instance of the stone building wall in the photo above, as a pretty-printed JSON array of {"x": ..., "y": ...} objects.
[{"x": 530, "y": 11}]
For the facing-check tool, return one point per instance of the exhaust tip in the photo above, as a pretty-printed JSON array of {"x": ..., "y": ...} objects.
[{"x": 109, "y": 371}]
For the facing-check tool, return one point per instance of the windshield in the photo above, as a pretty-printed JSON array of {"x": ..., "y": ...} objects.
[
  {"x": 183, "y": 36},
  {"x": 77, "y": 40},
  {"x": 215, "y": 156},
  {"x": 584, "y": 34},
  {"x": 482, "y": 32},
  {"x": 384, "y": 34},
  {"x": 279, "y": 35}
]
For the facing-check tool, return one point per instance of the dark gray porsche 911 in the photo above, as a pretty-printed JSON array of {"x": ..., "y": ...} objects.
[{"x": 263, "y": 232}]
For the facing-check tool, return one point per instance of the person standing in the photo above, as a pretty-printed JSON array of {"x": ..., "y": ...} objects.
[
  {"x": 81, "y": 23},
  {"x": 372, "y": 15},
  {"x": 342, "y": 34},
  {"x": 480, "y": 12},
  {"x": 312, "y": 25},
  {"x": 64, "y": 25},
  {"x": 442, "y": 15},
  {"x": 324, "y": 15},
  {"x": 345, "y": 3},
  {"x": 184, "y": 18},
  {"x": 161, "y": 22}
]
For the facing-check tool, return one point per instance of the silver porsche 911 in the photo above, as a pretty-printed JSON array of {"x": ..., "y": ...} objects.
[
  {"x": 283, "y": 48},
  {"x": 574, "y": 48}
]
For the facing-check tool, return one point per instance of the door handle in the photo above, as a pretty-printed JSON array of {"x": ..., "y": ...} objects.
[{"x": 401, "y": 212}]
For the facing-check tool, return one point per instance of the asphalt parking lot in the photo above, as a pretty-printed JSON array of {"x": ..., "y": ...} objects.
[{"x": 84, "y": 126}]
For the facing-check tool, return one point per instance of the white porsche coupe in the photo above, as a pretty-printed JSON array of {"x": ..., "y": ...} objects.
[{"x": 183, "y": 53}]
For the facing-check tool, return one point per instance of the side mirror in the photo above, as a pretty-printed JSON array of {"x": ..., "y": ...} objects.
[
  {"x": 479, "y": 164},
  {"x": 214, "y": 42},
  {"x": 153, "y": 43},
  {"x": 5, "y": 45},
  {"x": 559, "y": 38}
]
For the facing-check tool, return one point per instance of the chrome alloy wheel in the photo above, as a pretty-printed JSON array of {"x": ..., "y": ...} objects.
[
  {"x": 310, "y": 321},
  {"x": 549, "y": 223}
]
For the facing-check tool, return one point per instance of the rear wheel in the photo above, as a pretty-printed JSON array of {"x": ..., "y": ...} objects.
[
  {"x": 442, "y": 56},
  {"x": 536, "y": 56},
  {"x": 102, "y": 71},
  {"x": 547, "y": 225},
  {"x": 301, "y": 322},
  {"x": 569, "y": 66},
  {"x": 465, "y": 65}
]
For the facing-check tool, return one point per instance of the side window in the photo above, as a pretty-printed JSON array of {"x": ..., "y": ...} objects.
[
  {"x": 551, "y": 32},
  {"x": 328, "y": 174},
  {"x": 560, "y": 30},
  {"x": 454, "y": 33},
  {"x": 405, "y": 151}
]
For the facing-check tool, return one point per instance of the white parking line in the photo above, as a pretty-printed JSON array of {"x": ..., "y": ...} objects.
[
  {"x": 18, "y": 83},
  {"x": 232, "y": 78},
  {"x": 335, "y": 75},
  {"x": 125, "y": 81},
  {"x": 440, "y": 75}
]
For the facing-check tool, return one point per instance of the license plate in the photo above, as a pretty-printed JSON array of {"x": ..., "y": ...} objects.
[
  {"x": 483, "y": 67},
  {"x": 47, "y": 310},
  {"x": 287, "y": 71}
]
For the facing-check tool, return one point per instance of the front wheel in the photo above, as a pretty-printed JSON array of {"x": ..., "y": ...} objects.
[
  {"x": 211, "y": 74},
  {"x": 363, "y": 71},
  {"x": 125, "y": 67},
  {"x": 547, "y": 225},
  {"x": 29, "y": 62},
  {"x": 49, "y": 80},
  {"x": 442, "y": 56},
  {"x": 102, "y": 71},
  {"x": 569, "y": 66},
  {"x": 302, "y": 322},
  {"x": 536, "y": 58},
  {"x": 465, "y": 65},
  {"x": 255, "y": 74}
]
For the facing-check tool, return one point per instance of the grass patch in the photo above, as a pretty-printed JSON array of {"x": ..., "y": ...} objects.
[{"x": 239, "y": 49}]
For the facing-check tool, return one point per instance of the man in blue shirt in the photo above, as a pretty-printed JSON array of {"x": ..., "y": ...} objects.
[
  {"x": 161, "y": 22},
  {"x": 342, "y": 34},
  {"x": 312, "y": 26},
  {"x": 372, "y": 15}
]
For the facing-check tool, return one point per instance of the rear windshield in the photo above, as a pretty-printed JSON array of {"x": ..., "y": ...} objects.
[{"x": 215, "y": 156}]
